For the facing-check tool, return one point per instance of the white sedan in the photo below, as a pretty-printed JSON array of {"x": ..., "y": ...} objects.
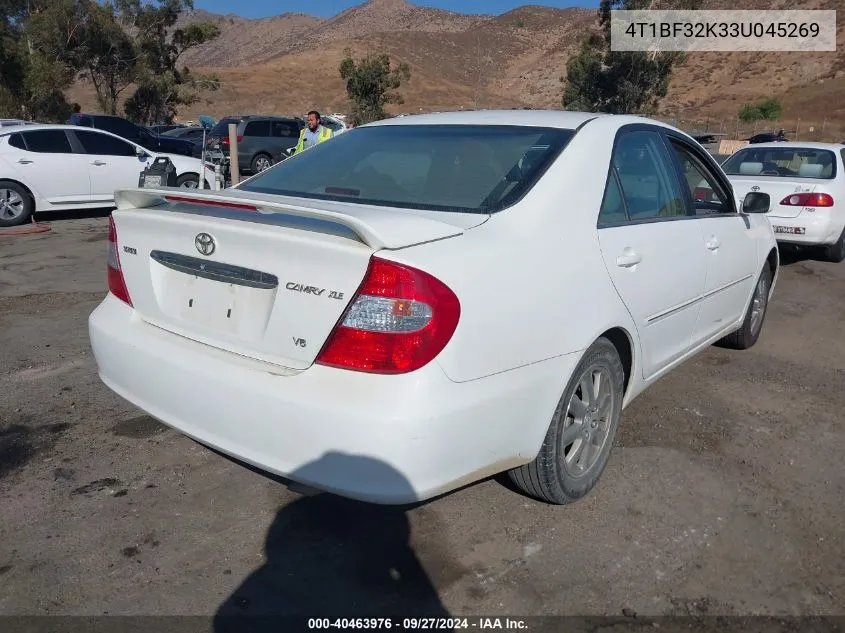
[
  {"x": 457, "y": 295},
  {"x": 806, "y": 182},
  {"x": 64, "y": 167}
]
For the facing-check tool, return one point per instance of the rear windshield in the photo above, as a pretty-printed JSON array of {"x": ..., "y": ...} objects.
[
  {"x": 222, "y": 127},
  {"x": 459, "y": 168},
  {"x": 788, "y": 162}
]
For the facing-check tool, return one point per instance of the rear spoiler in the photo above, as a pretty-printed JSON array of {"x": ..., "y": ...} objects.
[{"x": 375, "y": 227}]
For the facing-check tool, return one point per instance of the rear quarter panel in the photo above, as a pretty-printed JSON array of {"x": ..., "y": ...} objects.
[{"x": 531, "y": 280}]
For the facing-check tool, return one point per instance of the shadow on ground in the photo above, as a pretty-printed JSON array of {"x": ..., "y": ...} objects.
[
  {"x": 75, "y": 214},
  {"x": 327, "y": 556}
]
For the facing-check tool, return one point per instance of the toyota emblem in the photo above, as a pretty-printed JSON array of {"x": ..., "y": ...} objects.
[
  {"x": 755, "y": 188},
  {"x": 205, "y": 244}
]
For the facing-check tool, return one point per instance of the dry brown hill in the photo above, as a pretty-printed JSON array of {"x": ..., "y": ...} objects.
[{"x": 289, "y": 63}]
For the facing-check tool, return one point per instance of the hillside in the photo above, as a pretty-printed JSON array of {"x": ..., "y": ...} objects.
[{"x": 289, "y": 63}]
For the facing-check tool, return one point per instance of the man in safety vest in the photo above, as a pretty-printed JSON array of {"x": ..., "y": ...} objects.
[{"x": 313, "y": 134}]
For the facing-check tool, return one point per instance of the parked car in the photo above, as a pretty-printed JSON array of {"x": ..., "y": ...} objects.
[
  {"x": 262, "y": 140},
  {"x": 61, "y": 167},
  {"x": 136, "y": 134},
  {"x": 334, "y": 124},
  {"x": 193, "y": 134},
  {"x": 439, "y": 297},
  {"x": 768, "y": 137},
  {"x": 806, "y": 182},
  {"x": 161, "y": 129},
  {"x": 14, "y": 122}
]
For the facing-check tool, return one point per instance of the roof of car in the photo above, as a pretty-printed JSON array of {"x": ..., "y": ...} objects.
[
  {"x": 796, "y": 144},
  {"x": 534, "y": 118}
]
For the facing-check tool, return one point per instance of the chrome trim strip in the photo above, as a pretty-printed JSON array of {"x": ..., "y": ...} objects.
[
  {"x": 691, "y": 302},
  {"x": 216, "y": 271}
]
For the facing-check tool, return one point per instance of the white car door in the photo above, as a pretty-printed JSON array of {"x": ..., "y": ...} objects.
[
  {"x": 113, "y": 163},
  {"x": 729, "y": 242},
  {"x": 652, "y": 246},
  {"x": 45, "y": 160}
]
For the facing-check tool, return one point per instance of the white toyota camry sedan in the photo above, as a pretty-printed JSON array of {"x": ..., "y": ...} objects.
[
  {"x": 66, "y": 167},
  {"x": 806, "y": 182},
  {"x": 430, "y": 300}
]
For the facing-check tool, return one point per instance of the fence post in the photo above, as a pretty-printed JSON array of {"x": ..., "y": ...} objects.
[
  {"x": 234, "y": 166},
  {"x": 797, "y": 125}
]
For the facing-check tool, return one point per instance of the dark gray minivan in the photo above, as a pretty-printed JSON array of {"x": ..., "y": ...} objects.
[{"x": 262, "y": 140}]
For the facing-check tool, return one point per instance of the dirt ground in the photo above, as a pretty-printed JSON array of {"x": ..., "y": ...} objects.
[{"x": 724, "y": 494}]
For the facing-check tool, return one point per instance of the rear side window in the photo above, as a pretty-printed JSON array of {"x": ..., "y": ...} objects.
[
  {"x": 257, "y": 128},
  {"x": 103, "y": 144},
  {"x": 16, "y": 140},
  {"x": 459, "y": 168},
  {"x": 647, "y": 177},
  {"x": 47, "y": 142},
  {"x": 784, "y": 162},
  {"x": 284, "y": 129}
]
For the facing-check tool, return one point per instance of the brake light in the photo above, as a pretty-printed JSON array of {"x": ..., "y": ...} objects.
[
  {"x": 225, "y": 139},
  {"x": 117, "y": 284},
  {"x": 808, "y": 200},
  {"x": 399, "y": 320},
  {"x": 212, "y": 203}
]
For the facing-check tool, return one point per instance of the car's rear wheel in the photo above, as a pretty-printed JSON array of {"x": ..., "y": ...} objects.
[
  {"x": 747, "y": 335},
  {"x": 836, "y": 252},
  {"x": 16, "y": 205},
  {"x": 260, "y": 163},
  {"x": 580, "y": 437}
]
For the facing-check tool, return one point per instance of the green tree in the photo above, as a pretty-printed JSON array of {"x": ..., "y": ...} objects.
[
  {"x": 85, "y": 36},
  {"x": 371, "y": 84},
  {"x": 32, "y": 80},
  {"x": 765, "y": 110},
  {"x": 619, "y": 82},
  {"x": 163, "y": 83}
]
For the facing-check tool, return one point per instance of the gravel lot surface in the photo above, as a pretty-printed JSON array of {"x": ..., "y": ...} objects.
[{"x": 724, "y": 494}]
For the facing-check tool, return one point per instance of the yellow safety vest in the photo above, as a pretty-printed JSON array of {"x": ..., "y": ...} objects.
[{"x": 325, "y": 135}]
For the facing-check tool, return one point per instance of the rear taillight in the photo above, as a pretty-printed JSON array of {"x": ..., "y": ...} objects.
[
  {"x": 400, "y": 319},
  {"x": 808, "y": 200},
  {"x": 117, "y": 284},
  {"x": 225, "y": 139}
]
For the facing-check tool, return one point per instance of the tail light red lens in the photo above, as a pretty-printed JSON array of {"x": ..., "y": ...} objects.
[
  {"x": 117, "y": 284},
  {"x": 808, "y": 200},
  {"x": 400, "y": 319},
  {"x": 225, "y": 140}
]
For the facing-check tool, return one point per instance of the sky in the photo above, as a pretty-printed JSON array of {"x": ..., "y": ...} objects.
[{"x": 328, "y": 8}]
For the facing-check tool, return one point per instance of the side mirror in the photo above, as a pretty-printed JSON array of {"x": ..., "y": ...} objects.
[
  {"x": 139, "y": 151},
  {"x": 756, "y": 202}
]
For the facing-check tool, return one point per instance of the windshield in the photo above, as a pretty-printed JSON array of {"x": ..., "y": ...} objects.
[
  {"x": 789, "y": 162},
  {"x": 461, "y": 168}
]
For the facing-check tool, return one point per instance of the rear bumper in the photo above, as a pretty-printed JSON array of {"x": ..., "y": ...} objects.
[
  {"x": 383, "y": 439},
  {"x": 820, "y": 228}
]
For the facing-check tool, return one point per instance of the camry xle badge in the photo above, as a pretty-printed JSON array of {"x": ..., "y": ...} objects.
[
  {"x": 204, "y": 243},
  {"x": 755, "y": 188}
]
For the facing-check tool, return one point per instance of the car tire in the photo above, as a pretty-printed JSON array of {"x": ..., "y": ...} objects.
[
  {"x": 836, "y": 252},
  {"x": 16, "y": 204},
  {"x": 746, "y": 336},
  {"x": 557, "y": 474},
  {"x": 188, "y": 181},
  {"x": 260, "y": 163}
]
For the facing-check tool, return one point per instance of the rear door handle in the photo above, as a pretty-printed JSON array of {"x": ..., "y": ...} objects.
[
  {"x": 713, "y": 243},
  {"x": 628, "y": 258},
  {"x": 24, "y": 161},
  {"x": 99, "y": 163}
]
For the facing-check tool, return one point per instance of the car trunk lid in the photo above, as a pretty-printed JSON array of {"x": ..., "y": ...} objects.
[{"x": 258, "y": 275}]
